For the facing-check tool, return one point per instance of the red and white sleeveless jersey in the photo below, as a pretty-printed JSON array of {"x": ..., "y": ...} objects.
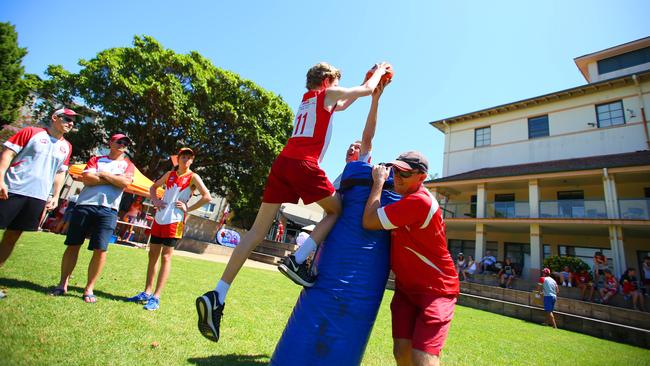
[
  {"x": 311, "y": 129},
  {"x": 177, "y": 188}
]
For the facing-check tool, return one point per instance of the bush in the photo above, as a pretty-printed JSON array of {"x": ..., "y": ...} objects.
[{"x": 557, "y": 263}]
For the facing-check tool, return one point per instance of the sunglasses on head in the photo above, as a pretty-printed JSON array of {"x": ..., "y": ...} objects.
[{"x": 67, "y": 119}]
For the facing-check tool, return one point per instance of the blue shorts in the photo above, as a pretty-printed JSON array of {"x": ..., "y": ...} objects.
[
  {"x": 67, "y": 215},
  {"x": 549, "y": 303},
  {"x": 97, "y": 221}
]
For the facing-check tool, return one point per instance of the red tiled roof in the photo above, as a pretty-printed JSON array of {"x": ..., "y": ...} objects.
[{"x": 637, "y": 158}]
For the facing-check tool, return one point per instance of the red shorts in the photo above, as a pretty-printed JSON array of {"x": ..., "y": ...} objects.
[
  {"x": 423, "y": 318},
  {"x": 291, "y": 179},
  {"x": 173, "y": 230}
]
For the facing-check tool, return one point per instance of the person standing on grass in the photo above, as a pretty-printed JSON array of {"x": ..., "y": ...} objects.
[
  {"x": 104, "y": 179},
  {"x": 426, "y": 281},
  {"x": 294, "y": 174},
  {"x": 33, "y": 164},
  {"x": 169, "y": 223},
  {"x": 551, "y": 290}
]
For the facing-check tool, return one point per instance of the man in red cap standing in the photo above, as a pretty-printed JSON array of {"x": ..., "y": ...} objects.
[
  {"x": 426, "y": 282},
  {"x": 33, "y": 163},
  {"x": 104, "y": 179}
]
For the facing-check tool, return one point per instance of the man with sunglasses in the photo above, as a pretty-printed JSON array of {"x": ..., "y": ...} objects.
[
  {"x": 32, "y": 165},
  {"x": 104, "y": 179},
  {"x": 426, "y": 282}
]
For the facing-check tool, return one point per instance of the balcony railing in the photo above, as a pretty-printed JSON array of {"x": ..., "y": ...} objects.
[
  {"x": 574, "y": 209},
  {"x": 507, "y": 209},
  {"x": 634, "y": 209},
  {"x": 458, "y": 210}
]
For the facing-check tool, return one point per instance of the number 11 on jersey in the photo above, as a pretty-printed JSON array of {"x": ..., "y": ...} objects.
[{"x": 305, "y": 121}]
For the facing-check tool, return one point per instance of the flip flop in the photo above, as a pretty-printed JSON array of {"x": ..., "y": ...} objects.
[
  {"x": 58, "y": 292},
  {"x": 89, "y": 298}
]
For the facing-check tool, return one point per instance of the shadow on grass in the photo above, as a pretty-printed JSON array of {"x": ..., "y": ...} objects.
[
  {"x": 232, "y": 359},
  {"x": 27, "y": 285}
]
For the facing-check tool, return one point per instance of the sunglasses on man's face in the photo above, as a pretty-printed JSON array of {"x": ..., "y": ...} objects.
[
  {"x": 123, "y": 142},
  {"x": 408, "y": 174},
  {"x": 67, "y": 119}
]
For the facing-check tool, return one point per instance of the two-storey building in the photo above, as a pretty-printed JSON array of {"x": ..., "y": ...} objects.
[{"x": 566, "y": 173}]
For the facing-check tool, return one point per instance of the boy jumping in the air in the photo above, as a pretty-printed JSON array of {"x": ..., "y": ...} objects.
[{"x": 295, "y": 174}]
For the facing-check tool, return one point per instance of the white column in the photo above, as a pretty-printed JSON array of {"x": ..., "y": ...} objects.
[
  {"x": 611, "y": 198},
  {"x": 533, "y": 198},
  {"x": 480, "y": 242},
  {"x": 535, "y": 251},
  {"x": 480, "y": 201},
  {"x": 618, "y": 250}
]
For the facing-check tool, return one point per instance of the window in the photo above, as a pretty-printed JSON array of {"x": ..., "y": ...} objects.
[
  {"x": 472, "y": 206},
  {"x": 571, "y": 204},
  {"x": 624, "y": 61},
  {"x": 546, "y": 251},
  {"x": 538, "y": 127},
  {"x": 610, "y": 114},
  {"x": 482, "y": 137},
  {"x": 504, "y": 205}
]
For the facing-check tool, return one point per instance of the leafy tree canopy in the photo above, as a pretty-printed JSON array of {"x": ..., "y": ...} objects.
[
  {"x": 164, "y": 101},
  {"x": 13, "y": 89}
]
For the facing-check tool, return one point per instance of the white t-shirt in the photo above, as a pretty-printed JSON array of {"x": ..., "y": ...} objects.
[{"x": 39, "y": 157}]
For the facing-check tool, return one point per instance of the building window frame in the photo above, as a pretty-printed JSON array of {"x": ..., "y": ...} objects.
[
  {"x": 606, "y": 116},
  {"x": 534, "y": 130},
  {"x": 482, "y": 136}
]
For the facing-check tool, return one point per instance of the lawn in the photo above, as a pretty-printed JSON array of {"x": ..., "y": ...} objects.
[{"x": 37, "y": 329}]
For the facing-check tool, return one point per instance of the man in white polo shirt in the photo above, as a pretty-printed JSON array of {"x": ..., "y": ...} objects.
[
  {"x": 104, "y": 178},
  {"x": 33, "y": 164}
]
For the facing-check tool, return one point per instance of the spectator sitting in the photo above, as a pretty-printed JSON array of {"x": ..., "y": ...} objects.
[
  {"x": 461, "y": 264},
  {"x": 507, "y": 274},
  {"x": 566, "y": 277},
  {"x": 631, "y": 289},
  {"x": 470, "y": 268},
  {"x": 609, "y": 288},
  {"x": 583, "y": 281},
  {"x": 488, "y": 262}
]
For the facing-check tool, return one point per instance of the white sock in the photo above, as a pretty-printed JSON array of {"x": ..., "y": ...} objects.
[
  {"x": 222, "y": 290},
  {"x": 305, "y": 250}
]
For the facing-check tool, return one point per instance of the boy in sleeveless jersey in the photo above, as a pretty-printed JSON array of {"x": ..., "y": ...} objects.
[
  {"x": 169, "y": 222},
  {"x": 295, "y": 174}
]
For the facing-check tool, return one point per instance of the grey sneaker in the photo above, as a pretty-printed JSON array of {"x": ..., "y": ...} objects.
[{"x": 298, "y": 273}]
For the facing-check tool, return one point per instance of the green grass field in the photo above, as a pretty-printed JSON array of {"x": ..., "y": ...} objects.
[{"x": 36, "y": 329}]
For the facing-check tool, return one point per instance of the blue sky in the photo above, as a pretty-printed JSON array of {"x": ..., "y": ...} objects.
[{"x": 450, "y": 57}]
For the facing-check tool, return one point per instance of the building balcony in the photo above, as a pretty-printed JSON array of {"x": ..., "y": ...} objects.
[
  {"x": 507, "y": 210},
  {"x": 458, "y": 210},
  {"x": 573, "y": 209},
  {"x": 634, "y": 209}
]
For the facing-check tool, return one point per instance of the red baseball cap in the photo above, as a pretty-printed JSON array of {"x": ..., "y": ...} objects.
[
  {"x": 185, "y": 150},
  {"x": 120, "y": 136},
  {"x": 66, "y": 111},
  {"x": 547, "y": 271},
  {"x": 410, "y": 160}
]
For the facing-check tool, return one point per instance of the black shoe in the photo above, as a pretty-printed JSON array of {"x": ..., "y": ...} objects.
[
  {"x": 210, "y": 311},
  {"x": 298, "y": 273}
]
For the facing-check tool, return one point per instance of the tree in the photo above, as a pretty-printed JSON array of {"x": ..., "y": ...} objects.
[
  {"x": 163, "y": 101},
  {"x": 13, "y": 89}
]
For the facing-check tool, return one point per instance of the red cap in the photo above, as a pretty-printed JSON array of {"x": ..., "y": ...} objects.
[
  {"x": 66, "y": 111},
  {"x": 410, "y": 160},
  {"x": 547, "y": 271},
  {"x": 185, "y": 150},
  {"x": 120, "y": 136}
]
